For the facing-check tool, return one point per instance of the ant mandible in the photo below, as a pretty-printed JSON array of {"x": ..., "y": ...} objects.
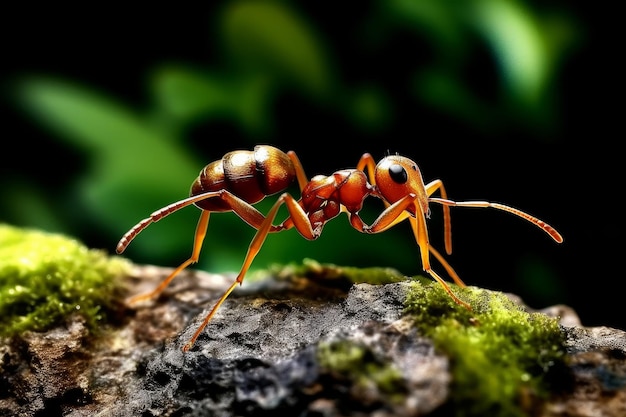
[{"x": 243, "y": 178}]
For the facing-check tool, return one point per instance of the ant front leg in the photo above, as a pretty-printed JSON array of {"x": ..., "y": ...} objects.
[
  {"x": 431, "y": 187},
  {"x": 397, "y": 212},
  {"x": 418, "y": 224}
]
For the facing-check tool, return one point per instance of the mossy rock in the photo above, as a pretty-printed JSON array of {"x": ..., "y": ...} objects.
[
  {"x": 45, "y": 277},
  {"x": 501, "y": 354}
]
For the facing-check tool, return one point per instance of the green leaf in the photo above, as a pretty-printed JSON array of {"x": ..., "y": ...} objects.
[
  {"x": 125, "y": 155},
  {"x": 516, "y": 38},
  {"x": 270, "y": 39},
  {"x": 184, "y": 95},
  {"x": 526, "y": 47}
]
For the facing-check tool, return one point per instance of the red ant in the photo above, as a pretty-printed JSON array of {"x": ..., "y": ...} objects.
[{"x": 243, "y": 178}]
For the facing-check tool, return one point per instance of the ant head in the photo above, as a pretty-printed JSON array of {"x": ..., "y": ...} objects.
[{"x": 397, "y": 176}]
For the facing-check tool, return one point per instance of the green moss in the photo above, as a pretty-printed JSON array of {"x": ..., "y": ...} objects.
[
  {"x": 314, "y": 270},
  {"x": 501, "y": 356},
  {"x": 46, "y": 277},
  {"x": 357, "y": 364}
]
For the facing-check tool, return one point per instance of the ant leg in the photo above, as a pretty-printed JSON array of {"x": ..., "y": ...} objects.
[
  {"x": 447, "y": 266},
  {"x": 301, "y": 223},
  {"x": 197, "y": 246},
  {"x": 158, "y": 215},
  {"x": 418, "y": 223},
  {"x": 208, "y": 317},
  {"x": 396, "y": 213},
  {"x": 392, "y": 215},
  {"x": 367, "y": 163},
  {"x": 431, "y": 187},
  {"x": 302, "y": 178}
]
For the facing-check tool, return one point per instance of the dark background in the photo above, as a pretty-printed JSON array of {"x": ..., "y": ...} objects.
[{"x": 558, "y": 162}]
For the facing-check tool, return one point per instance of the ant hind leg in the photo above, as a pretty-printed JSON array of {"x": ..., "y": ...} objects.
[{"x": 201, "y": 229}]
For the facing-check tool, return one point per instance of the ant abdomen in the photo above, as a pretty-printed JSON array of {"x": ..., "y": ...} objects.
[{"x": 250, "y": 175}]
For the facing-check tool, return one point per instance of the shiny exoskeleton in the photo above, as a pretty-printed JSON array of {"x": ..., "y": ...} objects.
[{"x": 243, "y": 178}]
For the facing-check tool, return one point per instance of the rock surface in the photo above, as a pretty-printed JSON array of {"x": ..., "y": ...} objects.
[{"x": 261, "y": 355}]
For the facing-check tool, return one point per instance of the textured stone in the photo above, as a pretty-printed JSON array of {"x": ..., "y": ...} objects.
[{"x": 262, "y": 354}]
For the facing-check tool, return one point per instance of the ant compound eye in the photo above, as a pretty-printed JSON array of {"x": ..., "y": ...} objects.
[{"x": 398, "y": 173}]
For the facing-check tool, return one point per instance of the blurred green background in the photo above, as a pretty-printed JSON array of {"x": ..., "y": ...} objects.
[{"x": 110, "y": 113}]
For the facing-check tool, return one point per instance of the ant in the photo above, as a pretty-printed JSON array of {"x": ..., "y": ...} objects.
[{"x": 243, "y": 178}]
